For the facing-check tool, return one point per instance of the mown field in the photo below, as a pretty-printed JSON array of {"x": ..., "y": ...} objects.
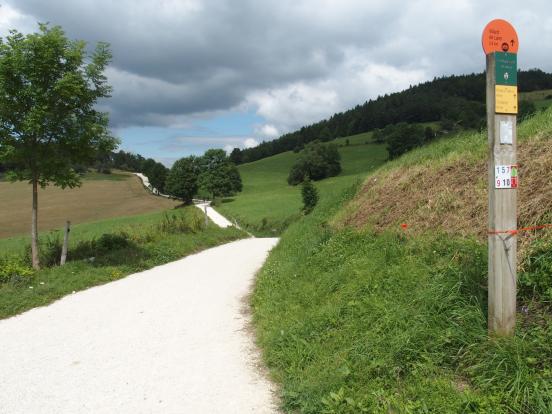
[
  {"x": 100, "y": 197},
  {"x": 268, "y": 204},
  {"x": 356, "y": 315}
]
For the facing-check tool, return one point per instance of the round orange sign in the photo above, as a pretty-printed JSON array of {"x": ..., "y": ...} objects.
[{"x": 499, "y": 36}]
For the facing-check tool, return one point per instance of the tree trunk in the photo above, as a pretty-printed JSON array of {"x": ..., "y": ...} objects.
[{"x": 34, "y": 227}]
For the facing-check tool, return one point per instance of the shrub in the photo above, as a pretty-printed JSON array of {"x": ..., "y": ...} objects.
[
  {"x": 14, "y": 270},
  {"x": 176, "y": 222},
  {"x": 310, "y": 196},
  {"x": 50, "y": 250},
  {"x": 535, "y": 282},
  {"x": 104, "y": 244},
  {"x": 316, "y": 161},
  {"x": 108, "y": 242},
  {"x": 403, "y": 137},
  {"x": 526, "y": 110}
]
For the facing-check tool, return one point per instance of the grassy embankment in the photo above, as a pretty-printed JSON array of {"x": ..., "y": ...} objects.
[
  {"x": 542, "y": 99},
  {"x": 268, "y": 204},
  {"x": 355, "y": 315},
  {"x": 102, "y": 251},
  {"x": 101, "y": 196}
]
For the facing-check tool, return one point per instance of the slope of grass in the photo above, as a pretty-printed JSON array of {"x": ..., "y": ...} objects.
[
  {"x": 268, "y": 204},
  {"x": 351, "y": 320},
  {"x": 446, "y": 185},
  {"x": 101, "y": 196},
  {"x": 107, "y": 251},
  {"x": 542, "y": 99}
]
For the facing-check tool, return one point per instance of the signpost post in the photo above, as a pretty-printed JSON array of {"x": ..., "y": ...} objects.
[{"x": 500, "y": 44}]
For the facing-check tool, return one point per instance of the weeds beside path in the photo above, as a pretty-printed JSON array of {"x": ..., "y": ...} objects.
[{"x": 101, "y": 253}]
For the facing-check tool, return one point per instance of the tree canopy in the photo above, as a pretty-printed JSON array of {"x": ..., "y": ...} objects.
[
  {"x": 182, "y": 179},
  {"x": 49, "y": 87},
  {"x": 219, "y": 176},
  {"x": 315, "y": 162},
  {"x": 454, "y": 100}
]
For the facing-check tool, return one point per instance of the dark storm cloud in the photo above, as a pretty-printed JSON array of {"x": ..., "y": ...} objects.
[
  {"x": 292, "y": 61},
  {"x": 181, "y": 57}
]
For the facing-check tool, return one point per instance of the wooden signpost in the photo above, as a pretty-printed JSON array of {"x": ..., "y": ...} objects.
[{"x": 500, "y": 44}]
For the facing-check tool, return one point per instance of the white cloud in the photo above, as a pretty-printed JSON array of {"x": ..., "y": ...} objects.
[
  {"x": 268, "y": 131},
  {"x": 11, "y": 18},
  {"x": 356, "y": 80},
  {"x": 250, "y": 143}
]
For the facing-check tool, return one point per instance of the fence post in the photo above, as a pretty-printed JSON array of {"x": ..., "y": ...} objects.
[{"x": 65, "y": 243}]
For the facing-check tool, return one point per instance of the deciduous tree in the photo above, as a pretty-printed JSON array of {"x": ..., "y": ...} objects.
[
  {"x": 182, "y": 180},
  {"x": 49, "y": 87},
  {"x": 219, "y": 177}
]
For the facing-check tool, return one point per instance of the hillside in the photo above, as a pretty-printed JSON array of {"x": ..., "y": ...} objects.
[
  {"x": 446, "y": 186},
  {"x": 356, "y": 315},
  {"x": 101, "y": 196},
  {"x": 268, "y": 204},
  {"x": 453, "y": 100}
]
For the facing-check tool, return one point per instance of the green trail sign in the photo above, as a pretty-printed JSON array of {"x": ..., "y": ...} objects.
[{"x": 506, "y": 68}]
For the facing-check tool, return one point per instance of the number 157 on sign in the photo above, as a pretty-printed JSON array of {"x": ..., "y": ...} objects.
[{"x": 506, "y": 176}]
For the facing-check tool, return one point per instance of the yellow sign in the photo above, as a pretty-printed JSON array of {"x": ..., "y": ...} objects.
[{"x": 506, "y": 99}]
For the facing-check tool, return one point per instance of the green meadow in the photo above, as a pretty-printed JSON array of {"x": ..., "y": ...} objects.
[
  {"x": 353, "y": 320},
  {"x": 267, "y": 204}
]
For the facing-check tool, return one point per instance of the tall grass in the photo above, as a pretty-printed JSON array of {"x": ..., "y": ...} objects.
[{"x": 353, "y": 322}]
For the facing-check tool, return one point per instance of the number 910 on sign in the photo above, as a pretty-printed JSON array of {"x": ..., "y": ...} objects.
[{"x": 506, "y": 176}]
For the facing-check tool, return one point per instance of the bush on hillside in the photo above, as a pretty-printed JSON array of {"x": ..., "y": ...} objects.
[
  {"x": 526, "y": 109},
  {"x": 316, "y": 161},
  {"x": 402, "y": 138},
  {"x": 310, "y": 196}
]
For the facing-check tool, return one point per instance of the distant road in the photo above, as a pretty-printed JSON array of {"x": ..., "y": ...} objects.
[
  {"x": 214, "y": 215},
  {"x": 174, "y": 339}
]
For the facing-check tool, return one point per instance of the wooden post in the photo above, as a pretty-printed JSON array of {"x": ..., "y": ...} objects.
[
  {"x": 502, "y": 206},
  {"x": 65, "y": 243},
  {"x": 206, "y": 216}
]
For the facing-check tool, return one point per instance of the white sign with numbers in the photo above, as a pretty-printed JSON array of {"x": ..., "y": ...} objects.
[{"x": 506, "y": 176}]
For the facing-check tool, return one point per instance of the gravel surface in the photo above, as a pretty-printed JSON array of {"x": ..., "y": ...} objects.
[
  {"x": 173, "y": 339},
  {"x": 214, "y": 215}
]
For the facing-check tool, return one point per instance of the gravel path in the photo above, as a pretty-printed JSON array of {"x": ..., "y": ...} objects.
[
  {"x": 214, "y": 215},
  {"x": 173, "y": 339}
]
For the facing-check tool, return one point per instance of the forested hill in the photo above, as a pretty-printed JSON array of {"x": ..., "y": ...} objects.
[{"x": 453, "y": 99}]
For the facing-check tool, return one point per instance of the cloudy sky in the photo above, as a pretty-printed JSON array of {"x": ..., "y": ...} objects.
[{"x": 195, "y": 74}]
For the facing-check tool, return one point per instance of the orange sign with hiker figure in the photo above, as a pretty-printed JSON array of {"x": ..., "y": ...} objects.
[{"x": 499, "y": 36}]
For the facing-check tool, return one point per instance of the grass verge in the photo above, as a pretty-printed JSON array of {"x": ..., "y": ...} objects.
[
  {"x": 354, "y": 320},
  {"x": 132, "y": 245}
]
